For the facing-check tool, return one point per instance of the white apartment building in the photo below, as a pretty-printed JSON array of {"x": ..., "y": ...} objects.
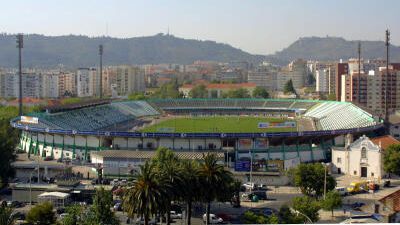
[
  {"x": 322, "y": 81},
  {"x": 85, "y": 82},
  {"x": 50, "y": 86}
]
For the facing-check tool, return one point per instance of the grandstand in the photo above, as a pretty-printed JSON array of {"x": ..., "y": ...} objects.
[{"x": 274, "y": 128}]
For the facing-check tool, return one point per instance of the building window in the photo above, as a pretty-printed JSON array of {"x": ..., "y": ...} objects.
[
  {"x": 372, "y": 174},
  {"x": 339, "y": 160},
  {"x": 363, "y": 153},
  {"x": 355, "y": 172}
]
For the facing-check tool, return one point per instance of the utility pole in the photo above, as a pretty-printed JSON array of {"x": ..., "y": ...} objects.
[
  {"x": 387, "y": 43},
  {"x": 101, "y": 70},
  {"x": 20, "y": 45},
  {"x": 359, "y": 72}
]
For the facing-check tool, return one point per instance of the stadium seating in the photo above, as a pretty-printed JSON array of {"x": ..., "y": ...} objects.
[{"x": 336, "y": 115}]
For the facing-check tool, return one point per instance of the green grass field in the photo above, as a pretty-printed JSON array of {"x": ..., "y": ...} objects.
[{"x": 228, "y": 124}]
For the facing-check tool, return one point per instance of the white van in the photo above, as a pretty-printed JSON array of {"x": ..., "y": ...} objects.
[
  {"x": 213, "y": 219},
  {"x": 342, "y": 191}
]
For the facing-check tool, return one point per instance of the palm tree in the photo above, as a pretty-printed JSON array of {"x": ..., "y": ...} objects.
[
  {"x": 6, "y": 216},
  {"x": 190, "y": 182},
  {"x": 167, "y": 167},
  {"x": 144, "y": 197},
  {"x": 214, "y": 179}
]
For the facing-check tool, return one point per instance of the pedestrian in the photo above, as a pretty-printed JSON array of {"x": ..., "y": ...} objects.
[{"x": 344, "y": 211}]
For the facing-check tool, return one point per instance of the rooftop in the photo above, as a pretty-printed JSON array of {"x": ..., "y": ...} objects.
[{"x": 384, "y": 141}]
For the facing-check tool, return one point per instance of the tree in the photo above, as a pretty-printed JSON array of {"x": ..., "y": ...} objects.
[
  {"x": 199, "y": 91},
  {"x": 136, "y": 96},
  {"x": 287, "y": 217},
  {"x": 168, "y": 170},
  {"x": 6, "y": 216},
  {"x": 250, "y": 217},
  {"x": 310, "y": 179},
  {"x": 214, "y": 179},
  {"x": 332, "y": 201},
  {"x": 74, "y": 214},
  {"x": 260, "y": 92},
  {"x": 41, "y": 214},
  {"x": 307, "y": 206},
  {"x": 289, "y": 88},
  {"x": 102, "y": 203},
  {"x": 236, "y": 93},
  {"x": 168, "y": 90},
  {"x": 191, "y": 184},
  {"x": 8, "y": 143},
  {"x": 391, "y": 159},
  {"x": 331, "y": 97},
  {"x": 144, "y": 197}
]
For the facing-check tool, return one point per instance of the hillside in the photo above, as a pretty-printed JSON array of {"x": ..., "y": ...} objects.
[
  {"x": 82, "y": 51},
  {"x": 334, "y": 48}
]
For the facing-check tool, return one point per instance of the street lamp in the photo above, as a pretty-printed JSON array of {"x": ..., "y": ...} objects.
[
  {"x": 30, "y": 186},
  {"x": 298, "y": 212},
  {"x": 325, "y": 166}
]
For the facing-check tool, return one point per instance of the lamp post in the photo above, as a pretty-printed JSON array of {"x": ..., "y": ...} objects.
[
  {"x": 30, "y": 186},
  {"x": 298, "y": 212},
  {"x": 325, "y": 166}
]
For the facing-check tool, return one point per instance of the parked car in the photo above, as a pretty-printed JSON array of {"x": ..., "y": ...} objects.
[
  {"x": 19, "y": 215},
  {"x": 261, "y": 195},
  {"x": 118, "y": 207},
  {"x": 63, "y": 215},
  {"x": 357, "y": 205},
  {"x": 15, "y": 204},
  {"x": 213, "y": 219},
  {"x": 269, "y": 211},
  {"x": 342, "y": 191},
  {"x": 48, "y": 158},
  {"x": 175, "y": 215},
  {"x": 141, "y": 221}
]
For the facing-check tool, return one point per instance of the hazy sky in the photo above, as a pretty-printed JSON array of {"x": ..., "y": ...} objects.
[{"x": 256, "y": 26}]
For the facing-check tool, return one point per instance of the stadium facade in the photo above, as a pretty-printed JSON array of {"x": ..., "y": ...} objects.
[{"x": 77, "y": 130}]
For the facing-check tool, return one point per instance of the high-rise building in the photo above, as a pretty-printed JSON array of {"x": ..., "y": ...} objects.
[
  {"x": 128, "y": 79},
  {"x": 340, "y": 70},
  {"x": 85, "y": 82},
  {"x": 322, "y": 81},
  {"x": 372, "y": 92},
  {"x": 295, "y": 71},
  {"x": 263, "y": 76},
  {"x": 67, "y": 84}
]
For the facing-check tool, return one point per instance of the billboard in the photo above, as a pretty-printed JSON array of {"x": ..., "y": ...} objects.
[
  {"x": 245, "y": 143},
  {"x": 29, "y": 119},
  {"x": 287, "y": 124}
]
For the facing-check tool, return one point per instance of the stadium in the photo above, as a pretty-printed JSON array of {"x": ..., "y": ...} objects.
[{"x": 241, "y": 130}]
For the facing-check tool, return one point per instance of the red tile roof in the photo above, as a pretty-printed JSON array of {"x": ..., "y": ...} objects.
[
  {"x": 392, "y": 200},
  {"x": 385, "y": 141}
]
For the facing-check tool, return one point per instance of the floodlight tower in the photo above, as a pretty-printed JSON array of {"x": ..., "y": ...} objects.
[
  {"x": 359, "y": 72},
  {"x": 387, "y": 43},
  {"x": 101, "y": 70},
  {"x": 20, "y": 45}
]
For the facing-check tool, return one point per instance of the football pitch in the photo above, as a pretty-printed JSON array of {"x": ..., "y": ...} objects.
[{"x": 227, "y": 124}]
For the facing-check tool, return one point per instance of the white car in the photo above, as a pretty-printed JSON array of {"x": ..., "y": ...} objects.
[
  {"x": 175, "y": 215},
  {"x": 213, "y": 219},
  {"x": 249, "y": 185},
  {"x": 342, "y": 191},
  {"x": 63, "y": 215}
]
